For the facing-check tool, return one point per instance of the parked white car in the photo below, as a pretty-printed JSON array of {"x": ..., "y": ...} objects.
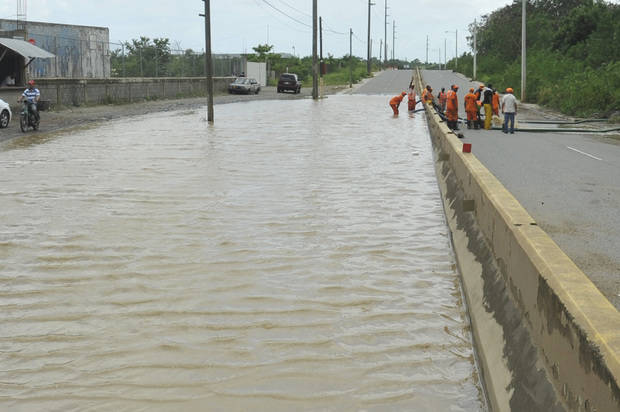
[
  {"x": 245, "y": 85},
  {"x": 5, "y": 114}
]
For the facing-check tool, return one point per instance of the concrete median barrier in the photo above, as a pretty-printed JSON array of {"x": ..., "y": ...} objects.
[{"x": 546, "y": 338}]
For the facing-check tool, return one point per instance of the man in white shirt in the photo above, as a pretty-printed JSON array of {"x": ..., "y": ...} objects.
[
  {"x": 31, "y": 97},
  {"x": 509, "y": 109}
]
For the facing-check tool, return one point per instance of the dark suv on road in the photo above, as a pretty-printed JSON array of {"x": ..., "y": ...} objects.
[{"x": 289, "y": 81}]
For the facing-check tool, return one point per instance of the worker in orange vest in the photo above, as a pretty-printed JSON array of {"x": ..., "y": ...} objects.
[
  {"x": 452, "y": 108},
  {"x": 411, "y": 97},
  {"x": 427, "y": 95},
  {"x": 478, "y": 93},
  {"x": 395, "y": 102},
  {"x": 471, "y": 108},
  {"x": 442, "y": 99},
  {"x": 495, "y": 103}
]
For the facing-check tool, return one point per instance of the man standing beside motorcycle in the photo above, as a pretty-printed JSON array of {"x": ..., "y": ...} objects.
[{"x": 30, "y": 97}]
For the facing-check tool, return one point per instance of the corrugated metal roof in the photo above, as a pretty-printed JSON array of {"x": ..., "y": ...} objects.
[{"x": 25, "y": 49}]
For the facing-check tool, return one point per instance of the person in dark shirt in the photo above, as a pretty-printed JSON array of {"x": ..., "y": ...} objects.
[{"x": 487, "y": 102}]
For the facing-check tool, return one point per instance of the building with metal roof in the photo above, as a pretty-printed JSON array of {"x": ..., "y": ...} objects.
[{"x": 73, "y": 51}]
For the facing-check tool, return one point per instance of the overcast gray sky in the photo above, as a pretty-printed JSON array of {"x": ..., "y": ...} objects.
[{"x": 238, "y": 25}]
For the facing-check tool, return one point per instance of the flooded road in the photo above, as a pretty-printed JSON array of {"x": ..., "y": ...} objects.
[{"x": 294, "y": 256}]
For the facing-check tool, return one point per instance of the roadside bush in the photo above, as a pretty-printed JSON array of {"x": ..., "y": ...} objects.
[
  {"x": 341, "y": 75},
  {"x": 573, "y": 56}
]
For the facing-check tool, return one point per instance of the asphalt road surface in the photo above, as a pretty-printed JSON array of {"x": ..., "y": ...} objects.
[
  {"x": 389, "y": 82},
  {"x": 568, "y": 182}
]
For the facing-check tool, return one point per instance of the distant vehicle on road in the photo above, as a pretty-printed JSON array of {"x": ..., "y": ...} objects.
[
  {"x": 289, "y": 81},
  {"x": 5, "y": 114},
  {"x": 245, "y": 85}
]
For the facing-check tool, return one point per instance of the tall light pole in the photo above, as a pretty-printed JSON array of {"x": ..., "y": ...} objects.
[
  {"x": 456, "y": 47},
  {"x": 445, "y": 47},
  {"x": 208, "y": 60},
  {"x": 368, "y": 68},
  {"x": 523, "y": 66},
  {"x": 385, "y": 35},
  {"x": 393, "y": 39}
]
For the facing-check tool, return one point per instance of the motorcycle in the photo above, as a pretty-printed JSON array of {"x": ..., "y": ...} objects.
[{"x": 28, "y": 119}]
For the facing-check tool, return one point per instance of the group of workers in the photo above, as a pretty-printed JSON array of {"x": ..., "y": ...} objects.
[{"x": 485, "y": 98}]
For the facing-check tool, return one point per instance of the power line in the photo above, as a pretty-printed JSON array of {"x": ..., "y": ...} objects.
[
  {"x": 290, "y": 17},
  {"x": 332, "y": 30},
  {"x": 296, "y": 9},
  {"x": 296, "y": 28}
]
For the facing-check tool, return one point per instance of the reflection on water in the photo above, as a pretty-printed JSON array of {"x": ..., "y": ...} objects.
[{"x": 293, "y": 256}]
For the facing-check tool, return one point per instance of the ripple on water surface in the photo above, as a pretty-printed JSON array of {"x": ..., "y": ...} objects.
[{"x": 294, "y": 256}]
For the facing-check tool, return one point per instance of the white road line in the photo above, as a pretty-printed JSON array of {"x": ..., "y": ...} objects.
[{"x": 584, "y": 153}]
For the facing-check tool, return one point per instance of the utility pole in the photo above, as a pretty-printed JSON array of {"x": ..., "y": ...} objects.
[
  {"x": 393, "y": 37},
  {"x": 368, "y": 62},
  {"x": 321, "y": 39},
  {"x": 426, "y": 61},
  {"x": 350, "y": 58},
  {"x": 208, "y": 60},
  {"x": 385, "y": 35},
  {"x": 123, "y": 47},
  {"x": 523, "y": 37},
  {"x": 456, "y": 49},
  {"x": 380, "y": 50},
  {"x": 445, "y": 47},
  {"x": 315, "y": 66}
]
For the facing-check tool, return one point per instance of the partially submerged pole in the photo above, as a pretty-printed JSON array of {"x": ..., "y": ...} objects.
[
  {"x": 315, "y": 65},
  {"x": 350, "y": 58},
  {"x": 208, "y": 60}
]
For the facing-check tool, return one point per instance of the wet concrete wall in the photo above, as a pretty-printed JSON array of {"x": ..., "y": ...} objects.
[
  {"x": 547, "y": 339},
  {"x": 81, "y": 51},
  {"x": 76, "y": 92}
]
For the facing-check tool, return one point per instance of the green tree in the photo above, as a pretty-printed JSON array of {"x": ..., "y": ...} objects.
[{"x": 142, "y": 58}]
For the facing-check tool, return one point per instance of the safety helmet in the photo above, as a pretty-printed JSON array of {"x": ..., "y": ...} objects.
[
  {"x": 30, "y": 82},
  {"x": 482, "y": 86},
  {"x": 454, "y": 86},
  {"x": 509, "y": 90}
]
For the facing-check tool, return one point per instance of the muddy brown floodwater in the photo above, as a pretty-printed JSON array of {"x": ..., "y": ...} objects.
[{"x": 293, "y": 256}]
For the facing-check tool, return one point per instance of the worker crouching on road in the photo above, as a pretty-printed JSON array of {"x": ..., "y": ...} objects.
[
  {"x": 395, "y": 102},
  {"x": 471, "y": 108},
  {"x": 452, "y": 108},
  {"x": 411, "y": 97}
]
